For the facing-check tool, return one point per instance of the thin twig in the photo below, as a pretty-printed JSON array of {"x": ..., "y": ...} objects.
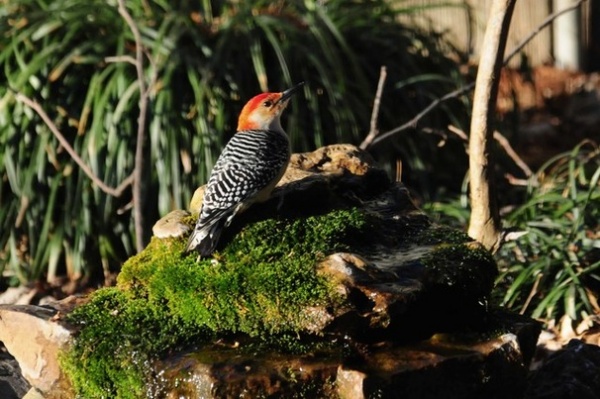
[
  {"x": 505, "y": 144},
  {"x": 115, "y": 192},
  {"x": 398, "y": 170},
  {"x": 532, "y": 293},
  {"x": 466, "y": 88},
  {"x": 439, "y": 132},
  {"x": 22, "y": 210},
  {"x": 153, "y": 75},
  {"x": 515, "y": 181},
  {"x": 457, "y": 131},
  {"x": 413, "y": 122},
  {"x": 138, "y": 198},
  {"x": 121, "y": 58},
  {"x": 373, "y": 131}
]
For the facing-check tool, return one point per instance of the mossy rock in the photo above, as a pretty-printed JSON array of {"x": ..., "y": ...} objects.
[{"x": 269, "y": 279}]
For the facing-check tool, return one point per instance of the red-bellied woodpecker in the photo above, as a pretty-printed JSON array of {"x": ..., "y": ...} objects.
[{"x": 247, "y": 170}]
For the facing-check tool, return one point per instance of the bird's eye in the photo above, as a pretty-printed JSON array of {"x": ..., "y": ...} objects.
[{"x": 268, "y": 103}]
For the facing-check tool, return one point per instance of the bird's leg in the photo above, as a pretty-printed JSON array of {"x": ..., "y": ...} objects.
[
  {"x": 280, "y": 203},
  {"x": 279, "y": 192}
]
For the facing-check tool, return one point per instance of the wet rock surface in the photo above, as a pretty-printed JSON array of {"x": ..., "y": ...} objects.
[{"x": 445, "y": 365}]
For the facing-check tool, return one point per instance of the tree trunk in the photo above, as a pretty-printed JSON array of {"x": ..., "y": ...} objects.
[{"x": 484, "y": 225}]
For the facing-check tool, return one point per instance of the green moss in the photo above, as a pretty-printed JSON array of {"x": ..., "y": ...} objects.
[
  {"x": 467, "y": 268},
  {"x": 164, "y": 300},
  {"x": 105, "y": 359},
  {"x": 437, "y": 234},
  {"x": 256, "y": 286}
]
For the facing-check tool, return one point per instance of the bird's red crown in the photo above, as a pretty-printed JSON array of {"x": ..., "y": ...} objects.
[
  {"x": 262, "y": 111},
  {"x": 258, "y": 110}
]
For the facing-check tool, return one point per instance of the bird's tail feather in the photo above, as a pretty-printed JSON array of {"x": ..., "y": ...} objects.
[{"x": 204, "y": 240}]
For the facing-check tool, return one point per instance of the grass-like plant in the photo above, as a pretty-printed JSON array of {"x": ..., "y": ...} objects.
[
  {"x": 554, "y": 269},
  {"x": 548, "y": 272},
  {"x": 208, "y": 58}
]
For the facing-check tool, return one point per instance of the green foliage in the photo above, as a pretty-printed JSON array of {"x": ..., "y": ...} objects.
[
  {"x": 546, "y": 273},
  {"x": 54, "y": 53},
  {"x": 451, "y": 211},
  {"x": 258, "y": 286},
  {"x": 208, "y": 59},
  {"x": 554, "y": 269}
]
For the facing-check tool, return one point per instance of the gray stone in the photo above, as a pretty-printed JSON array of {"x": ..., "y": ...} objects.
[{"x": 171, "y": 225}]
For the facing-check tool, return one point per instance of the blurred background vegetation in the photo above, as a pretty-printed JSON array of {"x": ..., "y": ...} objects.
[{"x": 208, "y": 58}]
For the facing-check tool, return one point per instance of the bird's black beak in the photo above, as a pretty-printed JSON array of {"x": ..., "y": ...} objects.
[{"x": 290, "y": 92}]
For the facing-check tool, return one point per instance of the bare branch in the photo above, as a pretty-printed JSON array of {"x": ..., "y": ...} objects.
[
  {"x": 515, "y": 181},
  {"x": 22, "y": 210},
  {"x": 154, "y": 74},
  {"x": 411, "y": 124},
  {"x": 439, "y": 132},
  {"x": 138, "y": 197},
  {"x": 373, "y": 132},
  {"x": 505, "y": 144},
  {"x": 532, "y": 293},
  {"x": 115, "y": 192}
]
